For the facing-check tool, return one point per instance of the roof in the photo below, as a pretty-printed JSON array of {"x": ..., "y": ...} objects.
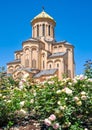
[
  {"x": 45, "y": 72},
  {"x": 31, "y": 40},
  {"x": 15, "y": 61},
  {"x": 43, "y": 14},
  {"x": 62, "y": 42},
  {"x": 29, "y": 70},
  {"x": 18, "y": 51},
  {"x": 57, "y": 54}
]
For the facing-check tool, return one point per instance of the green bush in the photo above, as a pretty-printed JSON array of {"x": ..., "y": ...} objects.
[{"x": 65, "y": 104}]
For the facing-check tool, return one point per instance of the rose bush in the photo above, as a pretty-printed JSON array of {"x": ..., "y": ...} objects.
[{"x": 61, "y": 105}]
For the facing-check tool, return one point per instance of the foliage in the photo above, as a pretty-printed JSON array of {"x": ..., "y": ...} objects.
[
  {"x": 88, "y": 68},
  {"x": 61, "y": 105}
]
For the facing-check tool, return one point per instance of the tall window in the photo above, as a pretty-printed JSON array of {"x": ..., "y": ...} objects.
[
  {"x": 26, "y": 63},
  {"x": 43, "y": 29},
  {"x": 53, "y": 32},
  {"x": 33, "y": 63},
  {"x": 57, "y": 65},
  {"x": 37, "y": 30},
  {"x": 50, "y": 66},
  {"x": 43, "y": 64},
  {"x": 49, "y": 30}
]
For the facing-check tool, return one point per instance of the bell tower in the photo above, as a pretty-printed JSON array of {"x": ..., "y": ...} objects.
[{"x": 43, "y": 26}]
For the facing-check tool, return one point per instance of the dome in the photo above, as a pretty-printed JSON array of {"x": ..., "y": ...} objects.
[{"x": 43, "y": 15}]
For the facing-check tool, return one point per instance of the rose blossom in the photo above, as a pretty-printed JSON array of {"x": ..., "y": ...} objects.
[
  {"x": 58, "y": 91},
  {"x": 58, "y": 102},
  {"x": 83, "y": 97},
  {"x": 85, "y": 129},
  {"x": 47, "y": 122},
  {"x": 79, "y": 103},
  {"x": 23, "y": 112},
  {"x": 83, "y": 93},
  {"x": 22, "y": 103},
  {"x": 32, "y": 101},
  {"x": 76, "y": 98},
  {"x": 67, "y": 90},
  {"x": 62, "y": 107},
  {"x": 56, "y": 126},
  {"x": 52, "y": 117}
]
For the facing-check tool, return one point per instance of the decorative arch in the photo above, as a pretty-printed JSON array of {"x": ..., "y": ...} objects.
[
  {"x": 57, "y": 63},
  {"x": 50, "y": 64},
  {"x": 26, "y": 49},
  {"x": 17, "y": 66},
  {"x": 18, "y": 56},
  {"x": 10, "y": 69},
  {"x": 19, "y": 74},
  {"x": 33, "y": 47},
  {"x": 57, "y": 60}
]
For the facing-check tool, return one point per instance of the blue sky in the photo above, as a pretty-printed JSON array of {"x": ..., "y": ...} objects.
[{"x": 73, "y": 23}]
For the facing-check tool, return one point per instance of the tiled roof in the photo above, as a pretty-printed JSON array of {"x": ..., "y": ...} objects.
[
  {"x": 18, "y": 51},
  {"x": 64, "y": 42},
  {"x": 15, "y": 61},
  {"x": 29, "y": 70},
  {"x": 57, "y": 54},
  {"x": 59, "y": 42},
  {"x": 45, "y": 72},
  {"x": 31, "y": 39},
  {"x": 25, "y": 69}
]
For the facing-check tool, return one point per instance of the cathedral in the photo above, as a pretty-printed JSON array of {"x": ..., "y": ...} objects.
[{"x": 41, "y": 56}]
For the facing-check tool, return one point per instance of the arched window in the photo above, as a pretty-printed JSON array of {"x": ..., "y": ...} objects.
[
  {"x": 33, "y": 63},
  {"x": 26, "y": 63},
  {"x": 49, "y": 30},
  {"x": 57, "y": 65},
  {"x": 43, "y": 29},
  {"x": 37, "y": 30}
]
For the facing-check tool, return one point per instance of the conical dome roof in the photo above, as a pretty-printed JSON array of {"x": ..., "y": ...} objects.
[{"x": 42, "y": 15}]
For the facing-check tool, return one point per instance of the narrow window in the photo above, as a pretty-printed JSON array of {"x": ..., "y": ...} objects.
[
  {"x": 49, "y": 30},
  {"x": 57, "y": 65},
  {"x": 37, "y": 30},
  {"x": 43, "y": 29},
  {"x": 26, "y": 63},
  {"x": 53, "y": 32},
  {"x": 43, "y": 64},
  {"x": 50, "y": 66},
  {"x": 33, "y": 63}
]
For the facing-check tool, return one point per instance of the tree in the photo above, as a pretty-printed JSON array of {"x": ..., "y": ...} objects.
[{"x": 88, "y": 69}]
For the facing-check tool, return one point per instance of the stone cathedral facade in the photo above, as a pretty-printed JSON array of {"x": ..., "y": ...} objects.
[{"x": 42, "y": 56}]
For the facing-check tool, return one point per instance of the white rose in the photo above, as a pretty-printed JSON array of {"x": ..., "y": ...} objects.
[
  {"x": 79, "y": 103},
  {"x": 83, "y": 97},
  {"x": 32, "y": 101},
  {"x": 0, "y": 95},
  {"x": 83, "y": 93},
  {"x": 62, "y": 107},
  {"x": 68, "y": 91},
  {"x": 58, "y": 91},
  {"x": 76, "y": 98},
  {"x": 23, "y": 112},
  {"x": 58, "y": 102},
  {"x": 22, "y": 103}
]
